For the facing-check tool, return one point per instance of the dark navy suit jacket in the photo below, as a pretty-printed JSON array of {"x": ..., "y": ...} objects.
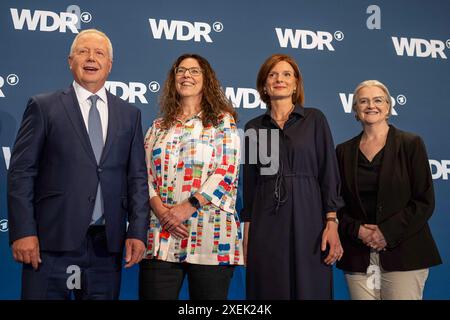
[{"x": 53, "y": 174}]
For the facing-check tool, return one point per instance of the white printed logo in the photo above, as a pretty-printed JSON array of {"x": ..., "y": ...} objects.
[
  {"x": 74, "y": 280},
  {"x": 307, "y": 39},
  {"x": 246, "y": 98},
  {"x": 131, "y": 91},
  {"x": 374, "y": 21},
  {"x": 49, "y": 21},
  {"x": 4, "y": 225},
  {"x": 11, "y": 79},
  {"x": 421, "y": 48},
  {"x": 183, "y": 30},
  {"x": 374, "y": 280},
  {"x": 347, "y": 102},
  {"x": 439, "y": 169},
  {"x": 218, "y": 26},
  {"x": 86, "y": 17},
  {"x": 154, "y": 86}
]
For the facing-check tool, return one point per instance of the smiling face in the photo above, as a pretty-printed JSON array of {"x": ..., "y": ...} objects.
[
  {"x": 90, "y": 61},
  {"x": 188, "y": 85},
  {"x": 281, "y": 81},
  {"x": 372, "y": 105}
]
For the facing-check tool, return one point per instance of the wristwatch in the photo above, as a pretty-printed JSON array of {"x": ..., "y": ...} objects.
[
  {"x": 334, "y": 219},
  {"x": 194, "y": 202}
]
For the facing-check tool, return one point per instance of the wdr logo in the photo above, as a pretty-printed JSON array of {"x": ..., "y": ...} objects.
[
  {"x": 12, "y": 79},
  {"x": 306, "y": 39},
  {"x": 439, "y": 169},
  {"x": 347, "y": 102},
  {"x": 49, "y": 21},
  {"x": 246, "y": 98},
  {"x": 420, "y": 48},
  {"x": 132, "y": 91},
  {"x": 183, "y": 30}
]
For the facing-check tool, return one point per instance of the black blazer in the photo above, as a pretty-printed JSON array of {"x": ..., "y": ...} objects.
[
  {"x": 53, "y": 175},
  {"x": 405, "y": 202}
]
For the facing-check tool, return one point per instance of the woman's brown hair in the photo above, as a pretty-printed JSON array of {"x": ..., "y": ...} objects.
[{"x": 214, "y": 101}]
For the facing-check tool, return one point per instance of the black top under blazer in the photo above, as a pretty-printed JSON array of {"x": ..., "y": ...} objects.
[{"x": 405, "y": 202}]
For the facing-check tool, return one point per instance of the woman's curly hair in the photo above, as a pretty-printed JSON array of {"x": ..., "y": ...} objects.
[{"x": 214, "y": 102}]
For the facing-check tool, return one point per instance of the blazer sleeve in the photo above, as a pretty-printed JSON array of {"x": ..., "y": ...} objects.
[
  {"x": 138, "y": 204},
  {"x": 420, "y": 207},
  {"x": 23, "y": 169}
]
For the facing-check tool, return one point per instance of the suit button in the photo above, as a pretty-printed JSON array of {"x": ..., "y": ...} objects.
[{"x": 99, "y": 170}]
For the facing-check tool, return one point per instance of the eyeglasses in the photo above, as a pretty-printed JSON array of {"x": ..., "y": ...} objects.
[
  {"x": 85, "y": 52},
  {"x": 194, "y": 71},
  {"x": 377, "y": 101}
]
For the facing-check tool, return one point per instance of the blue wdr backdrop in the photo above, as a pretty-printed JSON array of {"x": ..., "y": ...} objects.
[{"x": 404, "y": 43}]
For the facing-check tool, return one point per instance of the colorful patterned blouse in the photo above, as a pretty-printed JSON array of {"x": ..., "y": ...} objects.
[{"x": 190, "y": 158}]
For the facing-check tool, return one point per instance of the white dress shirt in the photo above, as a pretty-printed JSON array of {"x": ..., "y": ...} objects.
[{"x": 85, "y": 105}]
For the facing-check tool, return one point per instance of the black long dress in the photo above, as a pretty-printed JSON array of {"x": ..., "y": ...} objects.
[{"x": 287, "y": 208}]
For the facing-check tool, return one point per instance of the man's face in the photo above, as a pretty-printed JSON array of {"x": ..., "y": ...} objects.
[{"x": 90, "y": 61}]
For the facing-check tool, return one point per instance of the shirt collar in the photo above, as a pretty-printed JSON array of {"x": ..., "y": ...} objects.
[
  {"x": 298, "y": 110},
  {"x": 84, "y": 94}
]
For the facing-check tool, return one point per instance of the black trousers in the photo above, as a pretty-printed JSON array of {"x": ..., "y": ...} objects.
[
  {"x": 90, "y": 272},
  {"x": 161, "y": 280}
]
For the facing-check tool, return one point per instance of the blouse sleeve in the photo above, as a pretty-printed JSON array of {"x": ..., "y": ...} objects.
[
  {"x": 329, "y": 178},
  {"x": 220, "y": 188},
  {"x": 148, "y": 144}
]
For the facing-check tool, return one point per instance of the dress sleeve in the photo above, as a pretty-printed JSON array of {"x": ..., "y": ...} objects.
[
  {"x": 329, "y": 178},
  {"x": 220, "y": 188},
  {"x": 250, "y": 177}
]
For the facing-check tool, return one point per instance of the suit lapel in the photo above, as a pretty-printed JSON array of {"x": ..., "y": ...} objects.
[
  {"x": 387, "y": 168},
  {"x": 352, "y": 170},
  {"x": 73, "y": 111},
  {"x": 113, "y": 124}
]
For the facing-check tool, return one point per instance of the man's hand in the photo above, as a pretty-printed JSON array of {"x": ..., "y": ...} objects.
[
  {"x": 134, "y": 252},
  {"x": 26, "y": 250}
]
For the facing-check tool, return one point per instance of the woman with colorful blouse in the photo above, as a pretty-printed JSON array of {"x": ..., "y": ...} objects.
[{"x": 192, "y": 155}]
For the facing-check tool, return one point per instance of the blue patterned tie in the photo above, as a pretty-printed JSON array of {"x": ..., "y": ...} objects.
[{"x": 96, "y": 137}]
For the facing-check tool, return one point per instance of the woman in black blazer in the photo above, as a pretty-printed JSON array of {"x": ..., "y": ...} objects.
[{"x": 388, "y": 191}]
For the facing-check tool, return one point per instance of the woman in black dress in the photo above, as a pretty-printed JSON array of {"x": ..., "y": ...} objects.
[{"x": 291, "y": 192}]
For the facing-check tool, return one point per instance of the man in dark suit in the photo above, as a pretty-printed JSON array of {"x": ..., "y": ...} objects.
[{"x": 77, "y": 174}]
